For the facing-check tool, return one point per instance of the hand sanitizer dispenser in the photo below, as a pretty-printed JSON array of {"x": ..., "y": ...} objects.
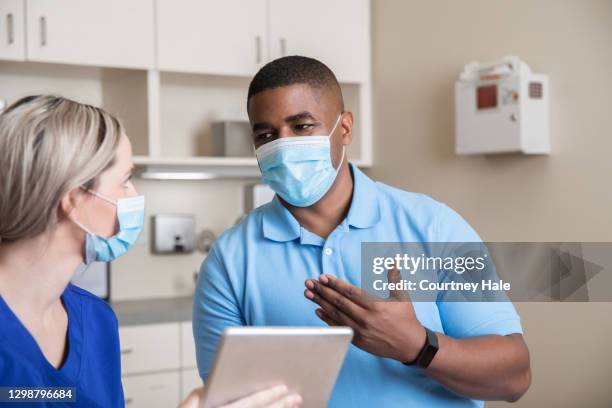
[{"x": 502, "y": 107}]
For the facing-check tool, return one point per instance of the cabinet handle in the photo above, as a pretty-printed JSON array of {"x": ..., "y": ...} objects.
[
  {"x": 43, "y": 31},
  {"x": 127, "y": 351},
  {"x": 283, "y": 46},
  {"x": 10, "y": 28},
  {"x": 258, "y": 49}
]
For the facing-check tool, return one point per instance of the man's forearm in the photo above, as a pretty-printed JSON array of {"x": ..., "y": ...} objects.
[{"x": 487, "y": 367}]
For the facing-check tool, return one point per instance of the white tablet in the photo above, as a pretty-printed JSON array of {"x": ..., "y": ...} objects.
[{"x": 250, "y": 359}]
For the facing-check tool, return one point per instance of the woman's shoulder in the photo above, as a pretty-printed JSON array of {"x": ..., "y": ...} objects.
[{"x": 96, "y": 307}]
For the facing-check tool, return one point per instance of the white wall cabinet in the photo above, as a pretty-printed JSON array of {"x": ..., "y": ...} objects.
[
  {"x": 230, "y": 37},
  {"x": 170, "y": 69},
  {"x": 12, "y": 30},
  {"x": 338, "y": 34},
  {"x": 217, "y": 37},
  {"x": 113, "y": 33}
]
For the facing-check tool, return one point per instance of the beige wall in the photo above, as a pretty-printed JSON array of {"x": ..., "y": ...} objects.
[{"x": 419, "y": 49}]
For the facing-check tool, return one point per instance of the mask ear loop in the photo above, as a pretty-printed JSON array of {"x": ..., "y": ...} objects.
[
  {"x": 335, "y": 125},
  {"x": 341, "y": 160},
  {"x": 343, "y": 146},
  {"x": 256, "y": 158},
  {"x": 94, "y": 193},
  {"x": 100, "y": 196},
  {"x": 78, "y": 223}
]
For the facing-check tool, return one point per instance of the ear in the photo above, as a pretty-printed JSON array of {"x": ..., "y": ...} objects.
[
  {"x": 347, "y": 128},
  {"x": 69, "y": 202}
]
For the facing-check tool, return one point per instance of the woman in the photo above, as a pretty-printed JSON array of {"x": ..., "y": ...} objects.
[{"x": 66, "y": 198}]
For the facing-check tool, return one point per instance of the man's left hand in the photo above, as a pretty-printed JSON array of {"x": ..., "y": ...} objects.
[{"x": 386, "y": 328}]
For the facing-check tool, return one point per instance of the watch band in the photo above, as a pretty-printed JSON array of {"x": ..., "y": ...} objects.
[{"x": 428, "y": 352}]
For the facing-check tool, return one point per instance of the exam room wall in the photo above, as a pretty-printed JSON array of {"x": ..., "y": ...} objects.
[{"x": 419, "y": 49}]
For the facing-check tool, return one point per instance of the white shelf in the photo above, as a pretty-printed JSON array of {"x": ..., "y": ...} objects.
[
  {"x": 209, "y": 161},
  {"x": 201, "y": 168},
  {"x": 195, "y": 168},
  {"x": 196, "y": 161}
]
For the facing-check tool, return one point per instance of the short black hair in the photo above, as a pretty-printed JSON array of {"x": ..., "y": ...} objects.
[{"x": 295, "y": 69}]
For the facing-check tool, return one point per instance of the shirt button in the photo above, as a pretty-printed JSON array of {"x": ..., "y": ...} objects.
[{"x": 329, "y": 251}]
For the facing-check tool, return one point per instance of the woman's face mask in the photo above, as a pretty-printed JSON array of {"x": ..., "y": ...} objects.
[
  {"x": 130, "y": 214},
  {"x": 299, "y": 168}
]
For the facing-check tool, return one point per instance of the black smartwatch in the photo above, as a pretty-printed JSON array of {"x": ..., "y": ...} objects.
[{"x": 428, "y": 352}]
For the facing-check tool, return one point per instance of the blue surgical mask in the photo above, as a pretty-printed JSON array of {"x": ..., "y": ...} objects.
[
  {"x": 299, "y": 168},
  {"x": 130, "y": 213}
]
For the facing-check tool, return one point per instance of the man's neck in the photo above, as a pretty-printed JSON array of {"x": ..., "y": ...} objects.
[{"x": 326, "y": 214}]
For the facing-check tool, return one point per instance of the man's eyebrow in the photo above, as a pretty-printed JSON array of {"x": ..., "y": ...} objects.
[
  {"x": 300, "y": 116},
  {"x": 291, "y": 118},
  {"x": 261, "y": 126}
]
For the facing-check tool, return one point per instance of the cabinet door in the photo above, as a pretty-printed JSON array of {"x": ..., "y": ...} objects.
[
  {"x": 211, "y": 36},
  {"x": 149, "y": 348},
  {"x": 152, "y": 390},
  {"x": 188, "y": 353},
  {"x": 114, "y": 33},
  {"x": 337, "y": 32},
  {"x": 12, "y": 30}
]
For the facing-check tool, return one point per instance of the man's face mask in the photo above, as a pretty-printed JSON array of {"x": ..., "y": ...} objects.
[
  {"x": 299, "y": 168},
  {"x": 130, "y": 213}
]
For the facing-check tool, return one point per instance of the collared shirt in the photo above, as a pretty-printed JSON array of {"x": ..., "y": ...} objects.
[{"x": 255, "y": 273}]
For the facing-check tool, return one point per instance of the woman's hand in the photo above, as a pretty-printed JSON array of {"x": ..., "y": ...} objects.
[
  {"x": 274, "y": 397},
  {"x": 193, "y": 399}
]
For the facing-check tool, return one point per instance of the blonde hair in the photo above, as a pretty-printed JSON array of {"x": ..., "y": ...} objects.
[{"x": 49, "y": 145}]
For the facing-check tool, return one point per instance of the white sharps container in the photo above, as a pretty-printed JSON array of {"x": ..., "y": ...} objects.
[{"x": 502, "y": 107}]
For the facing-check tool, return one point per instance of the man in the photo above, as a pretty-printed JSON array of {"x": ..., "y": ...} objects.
[{"x": 303, "y": 250}]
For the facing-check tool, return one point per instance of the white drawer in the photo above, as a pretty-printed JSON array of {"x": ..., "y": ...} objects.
[
  {"x": 152, "y": 390},
  {"x": 190, "y": 379},
  {"x": 149, "y": 348},
  {"x": 188, "y": 354}
]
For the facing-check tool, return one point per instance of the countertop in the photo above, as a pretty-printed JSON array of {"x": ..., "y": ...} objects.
[{"x": 153, "y": 311}]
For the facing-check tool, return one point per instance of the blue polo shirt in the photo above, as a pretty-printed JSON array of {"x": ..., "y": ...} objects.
[{"x": 254, "y": 276}]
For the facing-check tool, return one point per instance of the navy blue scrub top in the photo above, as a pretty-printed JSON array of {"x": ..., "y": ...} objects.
[{"x": 92, "y": 365}]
